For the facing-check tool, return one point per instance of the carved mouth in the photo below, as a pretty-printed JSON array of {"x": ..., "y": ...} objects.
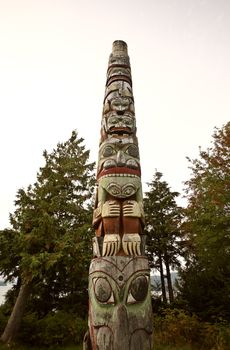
[
  {"x": 120, "y": 131},
  {"x": 119, "y": 171}
]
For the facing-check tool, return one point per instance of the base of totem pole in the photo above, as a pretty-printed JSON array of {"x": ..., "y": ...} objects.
[{"x": 120, "y": 309}]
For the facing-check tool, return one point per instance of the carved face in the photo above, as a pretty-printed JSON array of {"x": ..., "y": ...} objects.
[
  {"x": 120, "y": 104},
  {"x": 120, "y": 124},
  {"x": 118, "y": 152},
  {"x": 120, "y": 310},
  {"x": 119, "y": 98}
]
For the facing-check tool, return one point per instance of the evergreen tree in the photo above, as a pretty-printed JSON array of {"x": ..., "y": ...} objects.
[
  {"x": 205, "y": 282},
  {"x": 163, "y": 220},
  {"x": 51, "y": 231}
]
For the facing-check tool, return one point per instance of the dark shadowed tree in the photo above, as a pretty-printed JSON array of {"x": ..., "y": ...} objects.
[
  {"x": 163, "y": 222},
  {"x": 49, "y": 243}
]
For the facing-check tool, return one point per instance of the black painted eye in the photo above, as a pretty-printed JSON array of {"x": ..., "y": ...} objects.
[
  {"x": 133, "y": 151},
  {"x": 108, "y": 151},
  {"x": 103, "y": 290},
  {"x": 138, "y": 289}
]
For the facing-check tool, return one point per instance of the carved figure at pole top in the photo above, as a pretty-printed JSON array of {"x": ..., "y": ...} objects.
[{"x": 118, "y": 215}]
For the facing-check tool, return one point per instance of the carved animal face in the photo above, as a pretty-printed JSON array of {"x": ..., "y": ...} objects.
[
  {"x": 120, "y": 310},
  {"x": 118, "y": 97},
  {"x": 118, "y": 152},
  {"x": 120, "y": 124}
]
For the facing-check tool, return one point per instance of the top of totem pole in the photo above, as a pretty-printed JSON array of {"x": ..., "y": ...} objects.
[
  {"x": 120, "y": 48},
  {"x": 119, "y": 55}
]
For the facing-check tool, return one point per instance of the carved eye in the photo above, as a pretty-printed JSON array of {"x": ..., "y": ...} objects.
[
  {"x": 103, "y": 291},
  {"x": 108, "y": 151},
  {"x": 112, "y": 120},
  {"x": 133, "y": 151},
  {"x": 116, "y": 102},
  {"x": 138, "y": 290},
  {"x": 128, "y": 121}
]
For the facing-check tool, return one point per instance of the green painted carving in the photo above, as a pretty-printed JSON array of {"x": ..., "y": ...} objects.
[{"x": 120, "y": 304}]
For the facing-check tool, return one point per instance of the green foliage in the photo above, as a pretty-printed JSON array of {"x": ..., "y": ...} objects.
[
  {"x": 169, "y": 347},
  {"x": 163, "y": 222},
  {"x": 49, "y": 244},
  {"x": 9, "y": 254},
  {"x": 59, "y": 328},
  {"x": 209, "y": 200},
  {"x": 205, "y": 281},
  {"x": 17, "y": 346},
  {"x": 163, "y": 218},
  {"x": 52, "y": 217},
  {"x": 178, "y": 329},
  {"x": 204, "y": 293}
]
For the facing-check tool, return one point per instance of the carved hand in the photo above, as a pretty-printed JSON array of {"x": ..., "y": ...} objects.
[
  {"x": 132, "y": 208},
  {"x": 110, "y": 208},
  {"x": 131, "y": 243},
  {"x": 111, "y": 244},
  {"x": 97, "y": 216}
]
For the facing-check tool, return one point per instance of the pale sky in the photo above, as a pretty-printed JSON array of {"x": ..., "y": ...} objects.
[{"x": 53, "y": 62}]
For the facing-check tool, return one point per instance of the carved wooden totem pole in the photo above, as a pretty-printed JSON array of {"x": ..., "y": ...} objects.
[{"x": 120, "y": 312}]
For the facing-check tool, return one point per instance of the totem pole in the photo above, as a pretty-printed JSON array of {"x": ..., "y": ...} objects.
[{"x": 120, "y": 312}]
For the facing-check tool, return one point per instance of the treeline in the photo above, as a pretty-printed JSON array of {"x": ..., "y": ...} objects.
[
  {"x": 47, "y": 251},
  {"x": 195, "y": 241},
  {"x": 197, "y": 236}
]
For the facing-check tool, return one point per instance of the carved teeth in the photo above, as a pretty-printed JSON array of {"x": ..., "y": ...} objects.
[{"x": 121, "y": 175}]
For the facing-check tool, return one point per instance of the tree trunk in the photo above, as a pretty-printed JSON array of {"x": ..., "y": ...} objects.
[
  {"x": 162, "y": 279},
  {"x": 169, "y": 280},
  {"x": 15, "y": 319}
]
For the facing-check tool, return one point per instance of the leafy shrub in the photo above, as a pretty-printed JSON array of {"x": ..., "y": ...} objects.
[
  {"x": 56, "y": 328},
  {"x": 177, "y": 328}
]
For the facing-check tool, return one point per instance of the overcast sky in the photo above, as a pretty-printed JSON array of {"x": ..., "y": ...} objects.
[{"x": 53, "y": 62}]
